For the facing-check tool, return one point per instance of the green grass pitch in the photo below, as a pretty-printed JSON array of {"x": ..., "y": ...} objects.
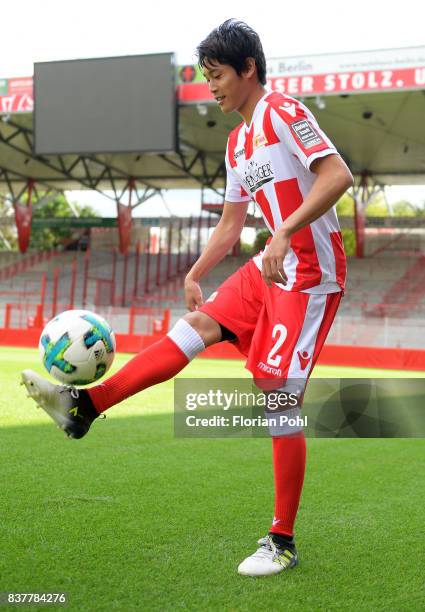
[{"x": 131, "y": 518}]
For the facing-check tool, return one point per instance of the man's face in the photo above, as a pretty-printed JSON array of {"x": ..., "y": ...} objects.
[{"x": 228, "y": 88}]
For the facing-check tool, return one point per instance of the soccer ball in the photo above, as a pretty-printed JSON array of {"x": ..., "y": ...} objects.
[{"x": 77, "y": 347}]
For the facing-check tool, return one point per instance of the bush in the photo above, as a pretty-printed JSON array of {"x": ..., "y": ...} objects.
[
  {"x": 260, "y": 240},
  {"x": 246, "y": 248},
  {"x": 349, "y": 239}
]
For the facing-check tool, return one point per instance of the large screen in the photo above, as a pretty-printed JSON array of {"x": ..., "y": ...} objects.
[{"x": 106, "y": 105}]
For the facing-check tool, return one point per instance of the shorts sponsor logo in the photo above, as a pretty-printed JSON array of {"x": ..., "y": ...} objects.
[
  {"x": 304, "y": 358},
  {"x": 268, "y": 369},
  {"x": 306, "y": 134},
  {"x": 212, "y": 296},
  {"x": 256, "y": 176}
]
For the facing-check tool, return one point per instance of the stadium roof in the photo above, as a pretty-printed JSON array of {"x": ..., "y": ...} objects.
[{"x": 370, "y": 104}]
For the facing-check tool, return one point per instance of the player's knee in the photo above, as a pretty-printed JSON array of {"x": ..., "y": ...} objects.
[
  {"x": 283, "y": 409},
  {"x": 207, "y": 328}
]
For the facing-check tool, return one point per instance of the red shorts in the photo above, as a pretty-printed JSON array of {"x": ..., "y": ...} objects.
[{"x": 280, "y": 332}]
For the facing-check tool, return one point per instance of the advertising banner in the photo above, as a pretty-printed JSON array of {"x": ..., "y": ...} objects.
[
  {"x": 325, "y": 74},
  {"x": 16, "y": 95},
  {"x": 356, "y": 72}
]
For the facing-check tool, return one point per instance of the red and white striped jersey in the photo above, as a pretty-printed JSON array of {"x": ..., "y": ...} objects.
[{"x": 269, "y": 162}]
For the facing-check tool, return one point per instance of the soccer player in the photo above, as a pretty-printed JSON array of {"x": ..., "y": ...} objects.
[{"x": 277, "y": 308}]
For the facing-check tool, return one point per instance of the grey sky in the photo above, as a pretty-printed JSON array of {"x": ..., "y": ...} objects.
[{"x": 46, "y": 30}]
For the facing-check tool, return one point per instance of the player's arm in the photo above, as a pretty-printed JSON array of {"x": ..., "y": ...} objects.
[
  {"x": 300, "y": 133},
  {"x": 333, "y": 178},
  {"x": 224, "y": 236}
]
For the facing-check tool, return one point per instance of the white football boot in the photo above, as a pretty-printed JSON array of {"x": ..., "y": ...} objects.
[
  {"x": 63, "y": 404},
  {"x": 269, "y": 559}
]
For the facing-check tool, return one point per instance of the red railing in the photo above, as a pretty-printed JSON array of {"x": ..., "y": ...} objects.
[
  {"x": 11, "y": 270},
  {"x": 132, "y": 321}
]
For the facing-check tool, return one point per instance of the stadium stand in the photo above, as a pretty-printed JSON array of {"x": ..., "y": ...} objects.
[{"x": 384, "y": 303}]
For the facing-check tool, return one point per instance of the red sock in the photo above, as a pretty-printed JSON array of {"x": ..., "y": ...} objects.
[
  {"x": 157, "y": 363},
  {"x": 289, "y": 466}
]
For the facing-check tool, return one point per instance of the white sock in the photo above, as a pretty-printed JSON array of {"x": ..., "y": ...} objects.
[{"x": 187, "y": 339}]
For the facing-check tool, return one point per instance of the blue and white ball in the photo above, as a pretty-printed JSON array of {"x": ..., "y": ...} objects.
[{"x": 77, "y": 347}]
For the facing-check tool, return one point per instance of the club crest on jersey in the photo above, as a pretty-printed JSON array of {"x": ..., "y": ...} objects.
[
  {"x": 259, "y": 140},
  {"x": 256, "y": 176},
  {"x": 306, "y": 134}
]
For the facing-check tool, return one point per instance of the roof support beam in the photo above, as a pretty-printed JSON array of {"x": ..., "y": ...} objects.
[{"x": 90, "y": 180}]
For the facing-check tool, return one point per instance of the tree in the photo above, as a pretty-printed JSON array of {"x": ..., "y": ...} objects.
[
  {"x": 403, "y": 208},
  {"x": 8, "y": 233},
  {"x": 345, "y": 206},
  {"x": 43, "y": 239},
  {"x": 377, "y": 207}
]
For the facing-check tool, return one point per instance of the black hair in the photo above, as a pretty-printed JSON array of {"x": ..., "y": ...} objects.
[{"x": 232, "y": 43}]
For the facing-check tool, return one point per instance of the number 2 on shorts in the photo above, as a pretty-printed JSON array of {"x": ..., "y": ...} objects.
[{"x": 281, "y": 332}]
